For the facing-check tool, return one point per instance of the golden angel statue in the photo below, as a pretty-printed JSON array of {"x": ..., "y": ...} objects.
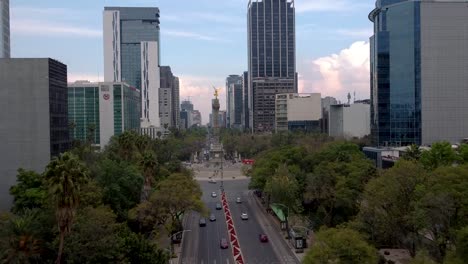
[{"x": 216, "y": 93}]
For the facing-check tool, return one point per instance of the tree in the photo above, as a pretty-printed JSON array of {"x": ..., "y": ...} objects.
[
  {"x": 140, "y": 250},
  {"x": 413, "y": 153},
  {"x": 441, "y": 154},
  {"x": 444, "y": 207},
  {"x": 19, "y": 238},
  {"x": 149, "y": 167},
  {"x": 29, "y": 191},
  {"x": 121, "y": 183},
  {"x": 334, "y": 189},
  {"x": 95, "y": 238},
  {"x": 340, "y": 246},
  {"x": 65, "y": 176},
  {"x": 463, "y": 153},
  {"x": 174, "y": 196},
  {"x": 387, "y": 212},
  {"x": 422, "y": 258},
  {"x": 284, "y": 189}
]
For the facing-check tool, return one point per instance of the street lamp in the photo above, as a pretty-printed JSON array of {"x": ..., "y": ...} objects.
[
  {"x": 287, "y": 222},
  {"x": 171, "y": 237}
]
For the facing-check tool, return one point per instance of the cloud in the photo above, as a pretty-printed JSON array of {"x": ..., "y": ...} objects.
[
  {"x": 73, "y": 77},
  {"x": 40, "y": 28},
  {"x": 192, "y": 35},
  {"x": 303, "y": 6},
  {"x": 200, "y": 91},
  {"x": 338, "y": 74}
]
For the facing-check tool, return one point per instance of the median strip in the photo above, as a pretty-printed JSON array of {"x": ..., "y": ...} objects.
[{"x": 236, "y": 250}]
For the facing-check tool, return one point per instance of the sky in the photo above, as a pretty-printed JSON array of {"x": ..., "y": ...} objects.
[{"x": 204, "y": 41}]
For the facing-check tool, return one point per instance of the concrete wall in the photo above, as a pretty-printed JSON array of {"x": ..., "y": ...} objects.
[
  {"x": 111, "y": 42},
  {"x": 444, "y": 56},
  {"x": 305, "y": 107},
  {"x": 349, "y": 121},
  {"x": 106, "y": 112},
  {"x": 24, "y": 120}
]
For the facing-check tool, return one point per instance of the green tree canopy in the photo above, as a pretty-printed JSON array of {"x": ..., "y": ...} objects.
[
  {"x": 29, "y": 192},
  {"x": 441, "y": 154},
  {"x": 388, "y": 206},
  {"x": 340, "y": 246}
]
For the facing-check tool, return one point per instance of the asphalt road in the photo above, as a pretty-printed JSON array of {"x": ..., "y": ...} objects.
[{"x": 201, "y": 245}]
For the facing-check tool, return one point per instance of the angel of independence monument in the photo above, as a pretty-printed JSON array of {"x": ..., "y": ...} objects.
[{"x": 216, "y": 148}]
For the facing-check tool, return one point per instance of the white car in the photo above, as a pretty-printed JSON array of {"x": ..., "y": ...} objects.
[
  {"x": 212, "y": 181},
  {"x": 213, "y": 194},
  {"x": 244, "y": 216},
  {"x": 238, "y": 200}
]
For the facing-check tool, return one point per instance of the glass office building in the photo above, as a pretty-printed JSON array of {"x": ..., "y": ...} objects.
[
  {"x": 4, "y": 28},
  {"x": 418, "y": 72},
  {"x": 131, "y": 54},
  {"x": 272, "y": 58},
  {"x": 102, "y": 110}
]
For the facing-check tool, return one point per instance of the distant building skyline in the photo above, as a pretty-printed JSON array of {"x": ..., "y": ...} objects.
[
  {"x": 132, "y": 54},
  {"x": 271, "y": 58},
  {"x": 418, "y": 72},
  {"x": 4, "y": 28}
]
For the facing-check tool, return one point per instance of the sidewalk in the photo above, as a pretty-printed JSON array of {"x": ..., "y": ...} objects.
[{"x": 276, "y": 223}]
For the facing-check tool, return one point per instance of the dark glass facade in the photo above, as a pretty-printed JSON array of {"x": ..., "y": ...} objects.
[
  {"x": 136, "y": 25},
  {"x": 396, "y": 74},
  {"x": 58, "y": 105},
  {"x": 272, "y": 58},
  {"x": 271, "y": 29},
  {"x": 83, "y": 112}
]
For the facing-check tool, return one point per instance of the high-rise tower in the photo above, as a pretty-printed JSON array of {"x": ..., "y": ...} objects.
[
  {"x": 272, "y": 58},
  {"x": 4, "y": 29},
  {"x": 131, "y": 54},
  {"x": 419, "y": 85}
]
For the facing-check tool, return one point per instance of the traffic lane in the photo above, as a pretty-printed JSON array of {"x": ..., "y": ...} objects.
[
  {"x": 275, "y": 235},
  {"x": 210, "y": 235},
  {"x": 248, "y": 231},
  {"x": 190, "y": 245}
]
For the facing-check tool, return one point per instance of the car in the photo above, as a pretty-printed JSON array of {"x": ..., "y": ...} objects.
[
  {"x": 212, "y": 217},
  {"x": 263, "y": 238},
  {"x": 223, "y": 243},
  {"x": 212, "y": 181},
  {"x": 244, "y": 216},
  {"x": 238, "y": 200},
  {"x": 218, "y": 206},
  {"x": 202, "y": 222},
  {"x": 213, "y": 194}
]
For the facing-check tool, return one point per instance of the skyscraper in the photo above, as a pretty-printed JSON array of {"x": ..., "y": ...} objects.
[
  {"x": 4, "y": 29},
  {"x": 272, "y": 58},
  {"x": 170, "y": 83},
  {"x": 34, "y": 120},
  {"x": 245, "y": 103},
  {"x": 232, "y": 82},
  {"x": 418, "y": 65},
  {"x": 131, "y": 54}
]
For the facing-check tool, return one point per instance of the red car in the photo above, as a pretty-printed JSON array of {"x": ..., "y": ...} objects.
[
  {"x": 223, "y": 243},
  {"x": 263, "y": 238}
]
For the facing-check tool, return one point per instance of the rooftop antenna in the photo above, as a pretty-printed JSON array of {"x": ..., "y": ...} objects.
[{"x": 349, "y": 98}]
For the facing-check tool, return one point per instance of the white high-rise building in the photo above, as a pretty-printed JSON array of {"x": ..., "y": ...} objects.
[
  {"x": 131, "y": 55},
  {"x": 4, "y": 29}
]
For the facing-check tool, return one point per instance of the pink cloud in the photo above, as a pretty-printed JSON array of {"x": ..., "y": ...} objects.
[{"x": 338, "y": 74}]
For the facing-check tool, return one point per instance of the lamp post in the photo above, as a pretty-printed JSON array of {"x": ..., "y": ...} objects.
[
  {"x": 287, "y": 222},
  {"x": 172, "y": 244}
]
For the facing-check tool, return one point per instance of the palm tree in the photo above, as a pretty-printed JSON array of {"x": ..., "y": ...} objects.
[
  {"x": 65, "y": 175},
  {"x": 149, "y": 167},
  {"x": 127, "y": 145},
  {"x": 23, "y": 242},
  {"x": 413, "y": 153}
]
